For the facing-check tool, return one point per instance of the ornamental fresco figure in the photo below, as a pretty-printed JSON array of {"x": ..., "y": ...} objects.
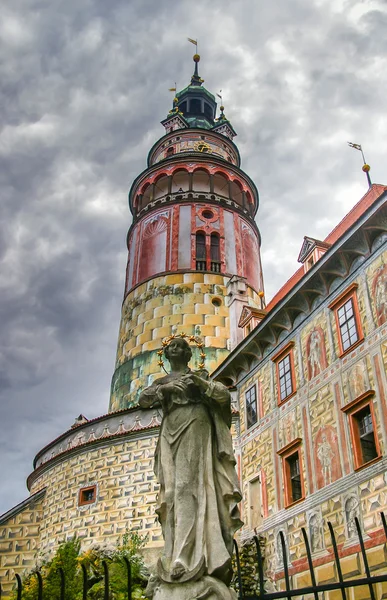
[
  {"x": 315, "y": 349},
  {"x": 316, "y": 533},
  {"x": 195, "y": 466},
  {"x": 379, "y": 289},
  {"x": 325, "y": 455},
  {"x": 351, "y": 511}
]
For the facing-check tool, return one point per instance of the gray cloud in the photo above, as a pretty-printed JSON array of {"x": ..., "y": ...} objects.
[{"x": 83, "y": 87}]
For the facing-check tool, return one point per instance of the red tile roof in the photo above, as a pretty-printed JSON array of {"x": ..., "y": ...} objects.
[{"x": 375, "y": 191}]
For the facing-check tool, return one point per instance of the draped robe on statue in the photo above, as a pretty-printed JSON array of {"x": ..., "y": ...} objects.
[{"x": 195, "y": 466}]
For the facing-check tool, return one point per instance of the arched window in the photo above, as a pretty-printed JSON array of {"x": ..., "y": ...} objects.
[
  {"x": 200, "y": 251},
  {"x": 169, "y": 152},
  {"x": 215, "y": 253}
]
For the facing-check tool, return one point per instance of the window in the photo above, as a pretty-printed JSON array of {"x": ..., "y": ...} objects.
[
  {"x": 286, "y": 381},
  {"x": 251, "y": 407},
  {"x": 87, "y": 495},
  {"x": 200, "y": 251},
  {"x": 347, "y": 319},
  {"x": 170, "y": 151},
  {"x": 292, "y": 472},
  {"x": 215, "y": 253},
  {"x": 362, "y": 428}
]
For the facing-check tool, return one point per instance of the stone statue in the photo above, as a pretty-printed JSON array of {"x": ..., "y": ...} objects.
[{"x": 199, "y": 489}]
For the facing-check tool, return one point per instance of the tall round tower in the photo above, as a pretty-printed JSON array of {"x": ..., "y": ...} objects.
[{"x": 193, "y": 244}]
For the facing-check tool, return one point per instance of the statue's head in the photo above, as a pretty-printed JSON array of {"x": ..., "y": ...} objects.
[{"x": 178, "y": 347}]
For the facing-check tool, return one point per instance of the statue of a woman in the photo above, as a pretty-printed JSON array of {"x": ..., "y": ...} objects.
[{"x": 195, "y": 466}]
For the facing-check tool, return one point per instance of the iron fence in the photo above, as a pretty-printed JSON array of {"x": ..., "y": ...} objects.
[
  {"x": 314, "y": 589},
  {"x": 86, "y": 583}
]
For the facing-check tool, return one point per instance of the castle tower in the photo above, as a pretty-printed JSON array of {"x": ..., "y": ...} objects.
[{"x": 193, "y": 232}]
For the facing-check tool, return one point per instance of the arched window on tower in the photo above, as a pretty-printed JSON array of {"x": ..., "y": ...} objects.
[
  {"x": 200, "y": 251},
  {"x": 215, "y": 253},
  {"x": 170, "y": 151}
]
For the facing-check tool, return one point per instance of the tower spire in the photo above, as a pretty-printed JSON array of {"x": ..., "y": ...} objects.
[{"x": 195, "y": 79}]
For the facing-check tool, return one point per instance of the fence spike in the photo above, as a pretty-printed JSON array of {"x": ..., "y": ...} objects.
[
  {"x": 365, "y": 561},
  {"x": 62, "y": 583},
  {"x": 19, "y": 586},
  {"x": 260, "y": 569},
  {"x": 129, "y": 572},
  {"x": 310, "y": 562},
  {"x": 240, "y": 594},
  {"x": 337, "y": 560},
  {"x": 40, "y": 585},
  {"x": 85, "y": 582},
  {"x": 285, "y": 561},
  {"x": 106, "y": 580}
]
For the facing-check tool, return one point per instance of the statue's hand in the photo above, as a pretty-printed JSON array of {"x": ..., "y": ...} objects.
[
  {"x": 172, "y": 387},
  {"x": 196, "y": 380}
]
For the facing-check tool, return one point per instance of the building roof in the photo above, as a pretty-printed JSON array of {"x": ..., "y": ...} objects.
[
  {"x": 372, "y": 194},
  {"x": 353, "y": 240}
]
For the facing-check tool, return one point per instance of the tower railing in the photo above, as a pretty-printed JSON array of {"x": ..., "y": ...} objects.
[{"x": 194, "y": 197}]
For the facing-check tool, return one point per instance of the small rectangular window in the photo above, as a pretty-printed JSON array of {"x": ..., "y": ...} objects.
[
  {"x": 293, "y": 467},
  {"x": 286, "y": 381},
  {"x": 251, "y": 407},
  {"x": 362, "y": 428},
  {"x": 87, "y": 495},
  {"x": 285, "y": 377},
  {"x": 347, "y": 324},
  {"x": 292, "y": 472},
  {"x": 347, "y": 317}
]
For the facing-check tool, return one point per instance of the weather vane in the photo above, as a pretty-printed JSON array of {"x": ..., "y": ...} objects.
[{"x": 365, "y": 168}]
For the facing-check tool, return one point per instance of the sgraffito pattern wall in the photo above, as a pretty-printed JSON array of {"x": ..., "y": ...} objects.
[
  {"x": 335, "y": 490},
  {"x": 191, "y": 303},
  {"x": 126, "y": 493},
  {"x": 19, "y": 540}
]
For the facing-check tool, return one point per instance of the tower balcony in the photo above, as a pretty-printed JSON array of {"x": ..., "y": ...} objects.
[{"x": 247, "y": 210}]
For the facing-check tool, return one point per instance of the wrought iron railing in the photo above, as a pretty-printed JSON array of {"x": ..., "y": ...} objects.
[
  {"x": 315, "y": 588},
  {"x": 288, "y": 593},
  {"x": 86, "y": 580}
]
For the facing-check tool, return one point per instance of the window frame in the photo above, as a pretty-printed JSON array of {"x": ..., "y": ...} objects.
[
  {"x": 254, "y": 386},
  {"x": 287, "y": 350},
  {"x": 292, "y": 449},
  {"x": 351, "y": 410},
  {"x": 87, "y": 488},
  {"x": 343, "y": 298}
]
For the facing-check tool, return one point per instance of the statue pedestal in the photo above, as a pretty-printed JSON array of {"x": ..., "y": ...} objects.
[{"x": 207, "y": 588}]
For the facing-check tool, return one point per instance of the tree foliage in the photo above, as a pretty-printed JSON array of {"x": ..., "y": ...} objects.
[{"x": 70, "y": 558}]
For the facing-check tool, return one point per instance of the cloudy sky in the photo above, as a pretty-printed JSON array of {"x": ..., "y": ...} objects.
[{"x": 83, "y": 87}]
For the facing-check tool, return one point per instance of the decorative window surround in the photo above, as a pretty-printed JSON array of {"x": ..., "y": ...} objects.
[
  {"x": 292, "y": 471},
  {"x": 362, "y": 426},
  {"x": 286, "y": 378},
  {"x": 348, "y": 323}
]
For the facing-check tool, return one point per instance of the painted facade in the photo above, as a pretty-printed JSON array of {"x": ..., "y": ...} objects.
[
  {"x": 299, "y": 385},
  {"x": 318, "y": 421}
]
